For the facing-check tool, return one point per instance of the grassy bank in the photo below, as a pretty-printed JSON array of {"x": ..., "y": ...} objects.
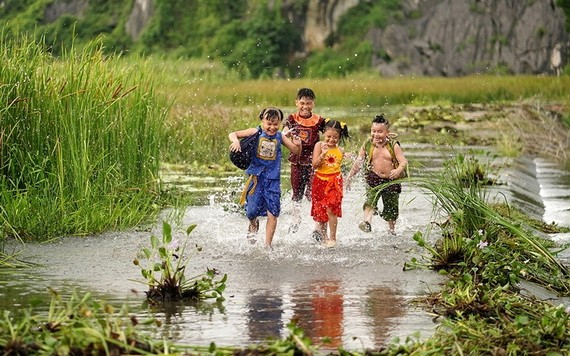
[
  {"x": 80, "y": 141},
  {"x": 83, "y": 135},
  {"x": 210, "y": 101}
]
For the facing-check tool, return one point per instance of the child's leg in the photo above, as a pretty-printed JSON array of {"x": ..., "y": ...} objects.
[
  {"x": 368, "y": 213},
  {"x": 296, "y": 182},
  {"x": 321, "y": 227},
  {"x": 333, "y": 223},
  {"x": 392, "y": 226},
  {"x": 390, "y": 211},
  {"x": 308, "y": 180},
  {"x": 270, "y": 228},
  {"x": 372, "y": 198}
]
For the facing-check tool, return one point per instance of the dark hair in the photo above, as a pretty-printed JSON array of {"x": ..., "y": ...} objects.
[
  {"x": 380, "y": 119},
  {"x": 306, "y": 92},
  {"x": 271, "y": 112},
  {"x": 341, "y": 127}
]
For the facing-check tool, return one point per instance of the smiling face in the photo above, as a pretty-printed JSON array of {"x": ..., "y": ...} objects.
[
  {"x": 379, "y": 133},
  {"x": 331, "y": 137},
  {"x": 270, "y": 124},
  {"x": 305, "y": 106}
]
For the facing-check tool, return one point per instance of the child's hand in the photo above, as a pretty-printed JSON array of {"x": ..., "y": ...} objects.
[
  {"x": 395, "y": 173},
  {"x": 296, "y": 140},
  {"x": 235, "y": 147}
]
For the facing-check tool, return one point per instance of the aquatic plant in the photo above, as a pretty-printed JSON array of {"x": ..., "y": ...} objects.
[
  {"x": 472, "y": 219},
  {"x": 78, "y": 325},
  {"x": 165, "y": 273},
  {"x": 81, "y": 325},
  {"x": 486, "y": 250}
]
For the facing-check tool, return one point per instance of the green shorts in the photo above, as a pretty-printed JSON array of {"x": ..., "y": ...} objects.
[{"x": 390, "y": 197}]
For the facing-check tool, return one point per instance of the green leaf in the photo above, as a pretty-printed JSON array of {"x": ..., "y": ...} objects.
[
  {"x": 212, "y": 347},
  {"x": 147, "y": 253},
  {"x": 166, "y": 232},
  {"x": 521, "y": 319},
  {"x": 153, "y": 241},
  {"x": 190, "y": 228}
]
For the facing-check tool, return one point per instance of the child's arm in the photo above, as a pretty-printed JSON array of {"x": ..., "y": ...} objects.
[
  {"x": 319, "y": 154},
  {"x": 402, "y": 162},
  {"x": 293, "y": 144},
  {"x": 236, "y": 135}
]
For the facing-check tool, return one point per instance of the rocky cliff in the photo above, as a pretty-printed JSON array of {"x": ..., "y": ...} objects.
[
  {"x": 457, "y": 37},
  {"x": 435, "y": 37},
  {"x": 453, "y": 37}
]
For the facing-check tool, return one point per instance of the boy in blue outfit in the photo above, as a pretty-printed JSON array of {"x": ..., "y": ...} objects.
[{"x": 262, "y": 193}]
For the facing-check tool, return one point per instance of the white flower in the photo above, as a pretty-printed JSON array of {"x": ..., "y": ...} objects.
[{"x": 482, "y": 244}]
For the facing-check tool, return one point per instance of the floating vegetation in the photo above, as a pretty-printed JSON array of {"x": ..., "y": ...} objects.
[
  {"x": 165, "y": 270},
  {"x": 486, "y": 250},
  {"x": 77, "y": 326}
]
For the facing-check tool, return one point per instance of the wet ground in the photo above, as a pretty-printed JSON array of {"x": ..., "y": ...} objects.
[{"x": 356, "y": 293}]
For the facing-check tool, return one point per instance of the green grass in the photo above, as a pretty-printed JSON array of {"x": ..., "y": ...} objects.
[{"x": 80, "y": 141}]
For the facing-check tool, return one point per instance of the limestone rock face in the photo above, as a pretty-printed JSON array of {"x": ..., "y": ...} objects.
[
  {"x": 435, "y": 38},
  {"x": 458, "y": 37},
  {"x": 60, "y": 7},
  {"x": 140, "y": 15},
  {"x": 449, "y": 37}
]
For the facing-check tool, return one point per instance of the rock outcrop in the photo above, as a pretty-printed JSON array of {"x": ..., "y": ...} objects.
[
  {"x": 435, "y": 38},
  {"x": 458, "y": 37}
]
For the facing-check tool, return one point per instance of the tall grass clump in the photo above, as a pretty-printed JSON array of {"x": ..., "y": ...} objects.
[
  {"x": 488, "y": 252},
  {"x": 80, "y": 140}
]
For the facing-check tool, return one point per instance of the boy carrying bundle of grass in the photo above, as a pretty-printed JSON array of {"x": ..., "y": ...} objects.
[{"x": 385, "y": 162}]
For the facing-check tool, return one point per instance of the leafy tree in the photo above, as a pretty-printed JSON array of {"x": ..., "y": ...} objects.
[{"x": 262, "y": 43}]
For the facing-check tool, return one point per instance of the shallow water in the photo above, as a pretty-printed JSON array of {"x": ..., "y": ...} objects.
[{"x": 356, "y": 293}]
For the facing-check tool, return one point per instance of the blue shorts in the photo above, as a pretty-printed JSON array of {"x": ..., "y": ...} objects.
[{"x": 263, "y": 196}]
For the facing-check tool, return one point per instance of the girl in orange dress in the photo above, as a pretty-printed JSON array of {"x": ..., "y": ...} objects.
[{"x": 327, "y": 182}]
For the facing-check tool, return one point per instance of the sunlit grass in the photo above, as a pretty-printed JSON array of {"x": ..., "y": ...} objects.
[
  {"x": 206, "y": 83},
  {"x": 80, "y": 141},
  {"x": 210, "y": 102}
]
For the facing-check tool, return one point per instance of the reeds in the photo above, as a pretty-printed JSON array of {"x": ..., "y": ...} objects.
[{"x": 81, "y": 140}]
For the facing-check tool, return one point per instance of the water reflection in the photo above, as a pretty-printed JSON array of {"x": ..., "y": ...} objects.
[
  {"x": 175, "y": 316},
  {"x": 383, "y": 304},
  {"x": 264, "y": 313},
  {"x": 318, "y": 309},
  {"x": 355, "y": 296}
]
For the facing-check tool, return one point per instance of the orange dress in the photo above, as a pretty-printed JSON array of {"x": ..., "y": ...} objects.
[{"x": 327, "y": 187}]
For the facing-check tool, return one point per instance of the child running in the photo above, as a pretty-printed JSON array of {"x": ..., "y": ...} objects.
[
  {"x": 262, "y": 192},
  {"x": 380, "y": 154},
  {"x": 307, "y": 126},
  {"x": 327, "y": 183}
]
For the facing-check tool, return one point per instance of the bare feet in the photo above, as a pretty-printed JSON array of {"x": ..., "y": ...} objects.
[
  {"x": 330, "y": 243},
  {"x": 252, "y": 230}
]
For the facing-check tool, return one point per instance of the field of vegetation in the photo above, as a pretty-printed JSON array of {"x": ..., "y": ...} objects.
[{"x": 84, "y": 136}]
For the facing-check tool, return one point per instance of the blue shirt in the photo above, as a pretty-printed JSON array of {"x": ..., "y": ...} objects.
[{"x": 267, "y": 158}]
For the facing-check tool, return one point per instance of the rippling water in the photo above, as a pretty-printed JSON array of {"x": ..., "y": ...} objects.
[{"x": 357, "y": 293}]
